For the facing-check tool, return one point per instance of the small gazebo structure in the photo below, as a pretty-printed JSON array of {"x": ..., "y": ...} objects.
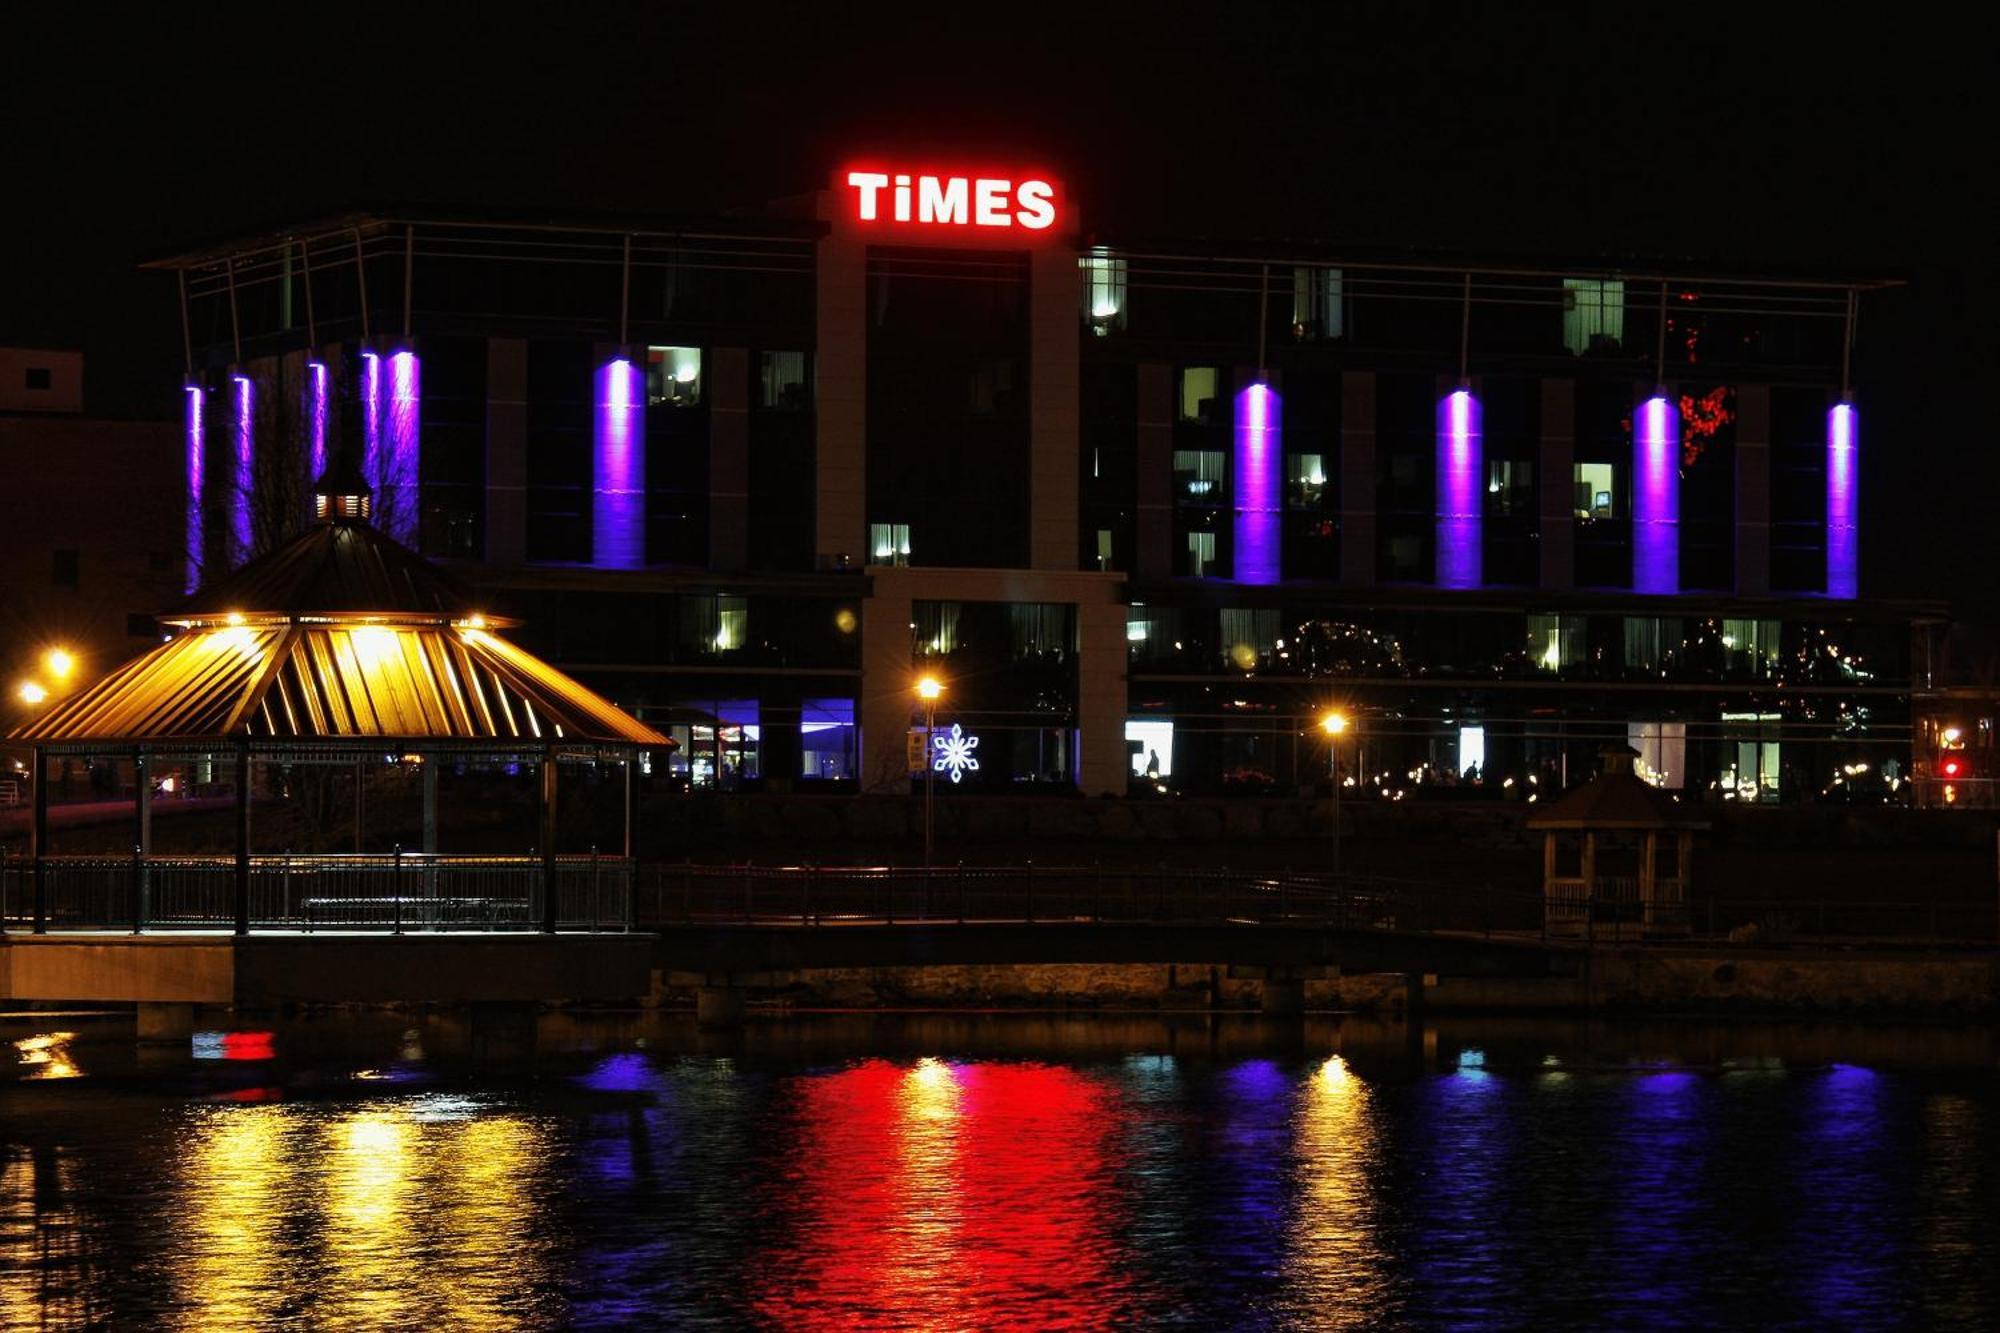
[
  {"x": 1615, "y": 850},
  {"x": 340, "y": 647}
]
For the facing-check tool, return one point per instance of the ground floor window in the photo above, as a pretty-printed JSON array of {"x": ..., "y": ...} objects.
[{"x": 827, "y": 740}]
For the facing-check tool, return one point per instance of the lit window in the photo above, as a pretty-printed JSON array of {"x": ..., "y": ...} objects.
[
  {"x": 1305, "y": 480},
  {"x": 1596, "y": 490},
  {"x": 781, "y": 381},
  {"x": 1150, "y": 744},
  {"x": 889, "y": 543},
  {"x": 1249, "y": 636},
  {"x": 1104, "y": 278},
  {"x": 1198, "y": 476},
  {"x": 1318, "y": 307},
  {"x": 1662, "y": 748},
  {"x": 1750, "y": 645},
  {"x": 1510, "y": 487},
  {"x": 1555, "y": 642},
  {"x": 1198, "y": 393},
  {"x": 1201, "y": 553},
  {"x": 827, "y": 748},
  {"x": 673, "y": 376},
  {"x": 1104, "y": 548},
  {"x": 1593, "y": 314},
  {"x": 1472, "y": 753},
  {"x": 732, "y": 623}
]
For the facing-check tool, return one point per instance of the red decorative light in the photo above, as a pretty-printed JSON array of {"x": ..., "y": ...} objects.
[
  {"x": 1951, "y": 767},
  {"x": 247, "y": 1046},
  {"x": 1701, "y": 418}
]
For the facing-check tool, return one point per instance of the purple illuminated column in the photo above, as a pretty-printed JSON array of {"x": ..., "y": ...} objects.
[
  {"x": 197, "y": 405},
  {"x": 400, "y": 476},
  {"x": 243, "y": 480},
  {"x": 1256, "y": 481},
  {"x": 1843, "y": 503},
  {"x": 371, "y": 422},
  {"x": 316, "y": 389},
  {"x": 618, "y": 469},
  {"x": 1656, "y": 497},
  {"x": 1460, "y": 499}
]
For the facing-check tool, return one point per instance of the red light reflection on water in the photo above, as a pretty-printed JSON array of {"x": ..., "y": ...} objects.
[{"x": 949, "y": 1195}]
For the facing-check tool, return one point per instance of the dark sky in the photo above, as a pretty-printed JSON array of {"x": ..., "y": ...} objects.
[{"x": 1717, "y": 132}]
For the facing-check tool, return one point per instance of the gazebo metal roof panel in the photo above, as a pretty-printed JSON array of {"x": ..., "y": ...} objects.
[
  {"x": 333, "y": 569},
  {"x": 335, "y": 682},
  {"x": 1615, "y": 800}
]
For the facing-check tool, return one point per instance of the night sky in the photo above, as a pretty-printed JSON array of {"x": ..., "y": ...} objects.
[{"x": 1801, "y": 140}]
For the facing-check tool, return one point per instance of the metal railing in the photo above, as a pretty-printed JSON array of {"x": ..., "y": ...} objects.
[
  {"x": 690, "y": 894},
  {"x": 394, "y": 892}
]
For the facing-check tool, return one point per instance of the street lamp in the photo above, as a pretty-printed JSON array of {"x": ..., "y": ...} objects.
[
  {"x": 930, "y": 689},
  {"x": 60, "y": 662},
  {"x": 1334, "y": 723},
  {"x": 32, "y": 692}
]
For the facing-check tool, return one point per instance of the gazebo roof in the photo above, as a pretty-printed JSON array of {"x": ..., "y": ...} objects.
[
  {"x": 1616, "y": 798},
  {"x": 339, "y": 635}
]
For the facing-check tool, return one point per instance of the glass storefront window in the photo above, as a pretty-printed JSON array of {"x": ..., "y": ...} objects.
[{"x": 827, "y": 739}]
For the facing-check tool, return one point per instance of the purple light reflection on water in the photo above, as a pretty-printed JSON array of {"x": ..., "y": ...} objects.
[
  {"x": 618, "y": 469},
  {"x": 1258, "y": 455},
  {"x": 1656, "y": 497},
  {"x": 1460, "y": 466}
]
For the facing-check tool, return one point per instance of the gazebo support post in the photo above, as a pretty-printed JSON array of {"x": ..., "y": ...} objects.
[
  {"x": 38, "y": 842},
  {"x": 549, "y": 842},
  {"x": 242, "y": 885},
  {"x": 1649, "y": 878},
  {"x": 142, "y": 837}
]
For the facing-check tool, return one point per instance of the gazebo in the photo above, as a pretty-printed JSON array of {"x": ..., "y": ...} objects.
[
  {"x": 1616, "y": 849},
  {"x": 340, "y": 647}
]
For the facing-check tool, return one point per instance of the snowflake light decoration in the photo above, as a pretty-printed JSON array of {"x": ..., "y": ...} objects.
[{"x": 952, "y": 753}]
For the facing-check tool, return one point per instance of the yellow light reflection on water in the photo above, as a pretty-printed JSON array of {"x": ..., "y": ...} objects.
[
  {"x": 46, "y": 1055},
  {"x": 391, "y": 1214},
  {"x": 1334, "y": 1260},
  {"x": 233, "y": 1264}
]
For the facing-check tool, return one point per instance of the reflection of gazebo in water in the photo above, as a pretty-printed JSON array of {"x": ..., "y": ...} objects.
[
  {"x": 338, "y": 648},
  {"x": 1615, "y": 850}
]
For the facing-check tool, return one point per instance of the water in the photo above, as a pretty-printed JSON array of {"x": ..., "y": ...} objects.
[{"x": 982, "y": 1172}]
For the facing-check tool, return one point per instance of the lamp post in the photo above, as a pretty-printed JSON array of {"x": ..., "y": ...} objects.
[
  {"x": 1334, "y": 724},
  {"x": 930, "y": 689}
]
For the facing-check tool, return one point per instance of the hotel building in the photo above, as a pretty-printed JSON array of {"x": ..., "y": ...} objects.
[{"x": 1148, "y": 509}]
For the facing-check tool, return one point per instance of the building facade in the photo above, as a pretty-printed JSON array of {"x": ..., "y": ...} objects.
[{"x": 1149, "y": 511}]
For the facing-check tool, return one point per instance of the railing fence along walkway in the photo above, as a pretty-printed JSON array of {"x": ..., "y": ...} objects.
[
  {"x": 414, "y": 892},
  {"x": 405, "y": 891}
]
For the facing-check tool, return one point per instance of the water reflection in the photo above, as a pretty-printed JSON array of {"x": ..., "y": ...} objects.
[
  {"x": 46, "y": 1055},
  {"x": 1335, "y": 1269},
  {"x": 376, "y": 1216},
  {"x": 1200, "y": 1180},
  {"x": 942, "y": 1195}
]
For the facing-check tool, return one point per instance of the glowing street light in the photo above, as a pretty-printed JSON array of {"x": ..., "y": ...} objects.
[
  {"x": 1334, "y": 723},
  {"x": 59, "y": 662},
  {"x": 32, "y": 692},
  {"x": 929, "y": 689}
]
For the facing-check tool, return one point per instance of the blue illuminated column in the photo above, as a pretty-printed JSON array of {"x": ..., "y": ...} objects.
[
  {"x": 618, "y": 468},
  {"x": 1843, "y": 502},
  {"x": 197, "y": 406},
  {"x": 1258, "y": 456},
  {"x": 243, "y": 479},
  {"x": 1460, "y": 497},
  {"x": 1656, "y": 497},
  {"x": 316, "y": 409},
  {"x": 400, "y": 491}
]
